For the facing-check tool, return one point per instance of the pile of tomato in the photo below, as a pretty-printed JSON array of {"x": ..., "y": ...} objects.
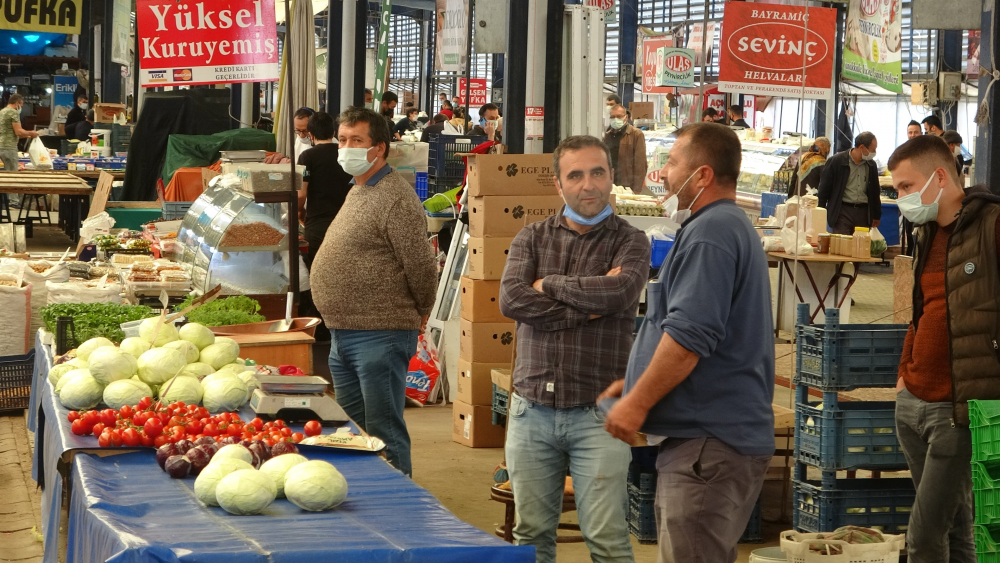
[{"x": 152, "y": 424}]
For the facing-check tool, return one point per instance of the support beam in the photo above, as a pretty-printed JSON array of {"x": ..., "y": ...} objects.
[
  {"x": 360, "y": 55},
  {"x": 334, "y": 55},
  {"x": 951, "y": 61},
  {"x": 111, "y": 83},
  {"x": 553, "y": 80},
  {"x": 348, "y": 25},
  {"x": 515, "y": 76},
  {"x": 628, "y": 39},
  {"x": 988, "y": 138}
]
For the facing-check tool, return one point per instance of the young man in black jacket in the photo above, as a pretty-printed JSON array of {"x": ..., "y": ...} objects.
[{"x": 849, "y": 188}]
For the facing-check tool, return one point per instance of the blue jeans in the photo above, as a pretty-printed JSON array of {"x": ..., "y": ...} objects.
[
  {"x": 542, "y": 443},
  {"x": 369, "y": 377}
]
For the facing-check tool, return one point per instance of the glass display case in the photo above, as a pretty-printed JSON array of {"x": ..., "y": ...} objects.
[{"x": 226, "y": 238}]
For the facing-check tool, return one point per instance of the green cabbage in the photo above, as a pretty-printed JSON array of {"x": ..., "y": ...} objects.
[
  {"x": 234, "y": 368},
  {"x": 81, "y": 392},
  {"x": 232, "y": 451},
  {"x": 197, "y": 369},
  {"x": 111, "y": 364},
  {"x": 84, "y": 350},
  {"x": 160, "y": 364},
  {"x": 181, "y": 388},
  {"x": 277, "y": 467},
  {"x": 315, "y": 486},
  {"x": 66, "y": 377},
  {"x": 250, "y": 379},
  {"x": 222, "y": 352},
  {"x": 125, "y": 392},
  {"x": 208, "y": 479},
  {"x": 134, "y": 346},
  {"x": 167, "y": 333},
  {"x": 245, "y": 491},
  {"x": 56, "y": 372},
  {"x": 197, "y": 334},
  {"x": 189, "y": 350}
]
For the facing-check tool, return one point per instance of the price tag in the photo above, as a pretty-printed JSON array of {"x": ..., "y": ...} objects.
[{"x": 296, "y": 403}]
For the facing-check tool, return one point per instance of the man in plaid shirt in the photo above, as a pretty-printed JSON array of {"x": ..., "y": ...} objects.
[{"x": 572, "y": 283}]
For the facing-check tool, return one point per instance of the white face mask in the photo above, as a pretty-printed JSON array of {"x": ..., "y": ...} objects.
[
  {"x": 84, "y": 105},
  {"x": 354, "y": 161},
  {"x": 868, "y": 156},
  {"x": 957, "y": 151},
  {"x": 682, "y": 215},
  {"x": 617, "y": 122}
]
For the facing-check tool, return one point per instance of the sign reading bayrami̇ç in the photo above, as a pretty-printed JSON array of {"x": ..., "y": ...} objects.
[
  {"x": 770, "y": 50},
  {"x": 675, "y": 67},
  {"x": 206, "y": 42}
]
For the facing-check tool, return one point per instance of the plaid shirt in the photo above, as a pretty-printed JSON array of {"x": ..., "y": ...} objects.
[{"x": 565, "y": 359}]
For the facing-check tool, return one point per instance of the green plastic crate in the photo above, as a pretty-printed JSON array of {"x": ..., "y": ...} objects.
[
  {"x": 984, "y": 419},
  {"x": 987, "y": 544},
  {"x": 986, "y": 489}
]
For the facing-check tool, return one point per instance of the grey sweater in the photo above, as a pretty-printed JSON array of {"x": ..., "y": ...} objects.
[{"x": 375, "y": 269}]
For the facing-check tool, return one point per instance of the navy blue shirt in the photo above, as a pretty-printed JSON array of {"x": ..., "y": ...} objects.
[
  {"x": 376, "y": 177},
  {"x": 713, "y": 296}
]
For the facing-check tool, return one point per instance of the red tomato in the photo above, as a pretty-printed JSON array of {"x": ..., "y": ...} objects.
[
  {"x": 176, "y": 421},
  {"x": 159, "y": 440},
  {"x": 98, "y": 429},
  {"x": 145, "y": 403},
  {"x": 104, "y": 440},
  {"x": 72, "y": 416},
  {"x": 153, "y": 427},
  {"x": 313, "y": 428},
  {"x": 286, "y": 431},
  {"x": 146, "y": 440},
  {"x": 163, "y": 416},
  {"x": 202, "y": 413},
  {"x": 225, "y": 417},
  {"x": 126, "y": 411},
  {"x": 91, "y": 417},
  {"x": 279, "y": 423},
  {"x": 179, "y": 405},
  {"x": 269, "y": 442},
  {"x": 79, "y": 427},
  {"x": 268, "y": 426},
  {"x": 109, "y": 417},
  {"x": 175, "y": 433},
  {"x": 211, "y": 429},
  {"x": 297, "y": 437},
  {"x": 257, "y": 424},
  {"x": 277, "y": 437},
  {"x": 116, "y": 438},
  {"x": 234, "y": 429},
  {"x": 130, "y": 437},
  {"x": 194, "y": 427}
]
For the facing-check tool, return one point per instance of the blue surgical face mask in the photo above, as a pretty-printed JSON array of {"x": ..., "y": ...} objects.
[
  {"x": 915, "y": 210},
  {"x": 580, "y": 219}
]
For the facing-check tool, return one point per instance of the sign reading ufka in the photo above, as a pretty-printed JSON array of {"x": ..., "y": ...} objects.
[
  {"x": 765, "y": 50},
  {"x": 477, "y": 92},
  {"x": 206, "y": 42}
]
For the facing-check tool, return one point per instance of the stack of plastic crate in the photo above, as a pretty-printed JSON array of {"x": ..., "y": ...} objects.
[
  {"x": 835, "y": 436},
  {"x": 446, "y": 170},
  {"x": 984, "y": 419}
]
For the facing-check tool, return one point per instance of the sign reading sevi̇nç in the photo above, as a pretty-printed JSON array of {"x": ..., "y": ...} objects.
[
  {"x": 771, "y": 50},
  {"x": 206, "y": 42}
]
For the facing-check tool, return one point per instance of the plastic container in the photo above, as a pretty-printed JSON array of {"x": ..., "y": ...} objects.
[
  {"x": 642, "y": 515},
  {"x": 752, "y": 533},
  {"x": 849, "y": 435},
  {"x": 422, "y": 185},
  {"x": 659, "y": 250},
  {"x": 984, "y": 418},
  {"x": 442, "y": 158},
  {"x": 833, "y": 356},
  {"x": 175, "y": 209},
  {"x": 987, "y": 543},
  {"x": 884, "y": 504},
  {"x": 768, "y": 555},
  {"x": 862, "y": 247},
  {"x": 15, "y": 381},
  {"x": 986, "y": 490},
  {"x": 796, "y": 545},
  {"x": 499, "y": 406}
]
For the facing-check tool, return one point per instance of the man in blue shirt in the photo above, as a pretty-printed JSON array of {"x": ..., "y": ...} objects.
[{"x": 700, "y": 379}]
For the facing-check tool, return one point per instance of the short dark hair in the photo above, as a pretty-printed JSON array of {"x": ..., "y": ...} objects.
[
  {"x": 925, "y": 149},
  {"x": 408, "y": 105},
  {"x": 575, "y": 143},
  {"x": 447, "y": 104},
  {"x": 488, "y": 107},
  {"x": 79, "y": 95},
  {"x": 440, "y": 118},
  {"x": 303, "y": 113},
  {"x": 368, "y": 90},
  {"x": 710, "y": 112},
  {"x": 933, "y": 121},
  {"x": 952, "y": 137},
  {"x": 737, "y": 109},
  {"x": 912, "y": 123},
  {"x": 321, "y": 125},
  {"x": 15, "y": 98},
  {"x": 411, "y": 110},
  {"x": 378, "y": 129},
  {"x": 864, "y": 139},
  {"x": 390, "y": 97},
  {"x": 614, "y": 98},
  {"x": 716, "y": 146}
]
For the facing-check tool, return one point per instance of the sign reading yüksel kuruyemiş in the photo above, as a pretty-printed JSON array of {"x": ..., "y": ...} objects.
[
  {"x": 674, "y": 67},
  {"x": 775, "y": 50},
  {"x": 182, "y": 43}
]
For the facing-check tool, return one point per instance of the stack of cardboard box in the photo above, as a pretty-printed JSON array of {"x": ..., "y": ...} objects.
[{"x": 506, "y": 192}]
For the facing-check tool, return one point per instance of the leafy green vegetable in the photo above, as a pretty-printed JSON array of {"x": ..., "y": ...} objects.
[
  {"x": 91, "y": 320},
  {"x": 235, "y": 310}
]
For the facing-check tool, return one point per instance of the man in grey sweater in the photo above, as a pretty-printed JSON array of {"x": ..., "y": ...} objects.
[{"x": 374, "y": 282}]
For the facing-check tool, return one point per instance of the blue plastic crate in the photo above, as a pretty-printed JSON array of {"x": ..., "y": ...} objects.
[
  {"x": 884, "y": 504},
  {"x": 848, "y": 435},
  {"x": 441, "y": 155},
  {"x": 175, "y": 209},
  {"x": 659, "y": 250},
  {"x": 421, "y": 186},
  {"x": 500, "y": 400},
  {"x": 840, "y": 357},
  {"x": 770, "y": 201},
  {"x": 642, "y": 515},
  {"x": 752, "y": 533}
]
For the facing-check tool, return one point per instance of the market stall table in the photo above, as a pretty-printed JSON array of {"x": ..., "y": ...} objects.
[
  {"x": 74, "y": 196},
  {"x": 819, "y": 270}
]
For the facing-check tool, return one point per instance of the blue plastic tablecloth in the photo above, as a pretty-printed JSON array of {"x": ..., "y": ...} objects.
[{"x": 125, "y": 509}]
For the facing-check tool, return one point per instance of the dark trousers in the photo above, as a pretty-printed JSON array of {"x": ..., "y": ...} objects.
[
  {"x": 850, "y": 217},
  {"x": 314, "y": 234}
]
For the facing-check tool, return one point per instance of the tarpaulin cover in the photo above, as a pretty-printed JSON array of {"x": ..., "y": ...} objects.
[
  {"x": 125, "y": 509},
  {"x": 185, "y": 151}
]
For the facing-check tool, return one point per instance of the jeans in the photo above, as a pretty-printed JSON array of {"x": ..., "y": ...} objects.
[
  {"x": 705, "y": 493},
  {"x": 939, "y": 455},
  {"x": 369, "y": 377},
  {"x": 542, "y": 443},
  {"x": 9, "y": 159}
]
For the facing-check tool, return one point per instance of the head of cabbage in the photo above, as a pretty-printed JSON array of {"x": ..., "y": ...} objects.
[
  {"x": 58, "y": 371},
  {"x": 234, "y": 368},
  {"x": 197, "y": 369},
  {"x": 81, "y": 392},
  {"x": 181, "y": 388},
  {"x": 125, "y": 392},
  {"x": 160, "y": 364},
  {"x": 79, "y": 362},
  {"x": 134, "y": 346},
  {"x": 68, "y": 376},
  {"x": 250, "y": 378},
  {"x": 277, "y": 467},
  {"x": 84, "y": 350},
  {"x": 315, "y": 485},
  {"x": 109, "y": 364},
  {"x": 167, "y": 332},
  {"x": 208, "y": 479},
  {"x": 245, "y": 491},
  {"x": 232, "y": 451},
  {"x": 197, "y": 334},
  {"x": 227, "y": 393},
  {"x": 223, "y": 351},
  {"x": 189, "y": 350}
]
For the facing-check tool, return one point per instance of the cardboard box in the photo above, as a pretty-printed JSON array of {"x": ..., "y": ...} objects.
[
  {"x": 641, "y": 110},
  {"x": 481, "y": 301},
  {"x": 105, "y": 113},
  {"x": 488, "y": 256},
  {"x": 472, "y": 425},
  {"x": 502, "y": 378},
  {"x": 475, "y": 382},
  {"x": 206, "y": 176},
  {"x": 486, "y": 342},
  {"x": 511, "y": 174},
  {"x": 504, "y": 216}
]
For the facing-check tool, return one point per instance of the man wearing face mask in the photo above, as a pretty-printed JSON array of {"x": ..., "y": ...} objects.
[
  {"x": 374, "y": 282},
  {"x": 11, "y": 131},
  {"x": 700, "y": 378},
  {"x": 848, "y": 187},
  {"x": 954, "y": 141},
  {"x": 950, "y": 352},
  {"x": 572, "y": 282},
  {"x": 628, "y": 151},
  {"x": 79, "y": 112},
  {"x": 489, "y": 123},
  {"x": 302, "y": 140}
]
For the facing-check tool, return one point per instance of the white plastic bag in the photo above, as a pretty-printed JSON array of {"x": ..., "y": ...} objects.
[
  {"x": 40, "y": 156},
  {"x": 15, "y": 333},
  {"x": 99, "y": 224},
  {"x": 83, "y": 292},
  {"x": 794, "y": 240},
  {"x": 56, "y": 272}
]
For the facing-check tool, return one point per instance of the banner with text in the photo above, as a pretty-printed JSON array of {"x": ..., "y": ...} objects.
[
  {"x": 765, "y": 50},
  {"x": 695, "y": 42},
  {"x": 650, "y": 48},
  {"x": 607, "y": 5},
  {"x": 206, "y": 42},
  {"x": 477, "y": 92},
  {"x": 872, "y": 43},
  {"x": 49, "y": 16},
  {"x": 675, "y": 67},
  {"x": 382, "y": 54},
  {"x": 452, "y": 35}
]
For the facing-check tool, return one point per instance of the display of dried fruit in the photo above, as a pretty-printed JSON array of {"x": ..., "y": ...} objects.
[
  {"x": 39, "y": 267},
  {"x": 251, "y": 234},
  {"x": 138, "y": 244},
  {"x": 8, "y": 282}
]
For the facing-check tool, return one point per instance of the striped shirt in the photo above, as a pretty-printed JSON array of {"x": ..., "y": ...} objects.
[{"x": 564, "y": 358}]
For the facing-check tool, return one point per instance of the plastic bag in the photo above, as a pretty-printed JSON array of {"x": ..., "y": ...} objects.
[
  {"x": 83, "y": 292},
  {"x": 790, "y": 235},
  {"x": 879, "y": 246},
  {"x": 40, "y": 156},
  {"x": 57, "y": 272},
  {"x": 15, "y": 333},
  {"x": 424, "y": 371}
]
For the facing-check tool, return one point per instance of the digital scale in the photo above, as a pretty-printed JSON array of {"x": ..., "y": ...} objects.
[{"x": 295, "y": 398}]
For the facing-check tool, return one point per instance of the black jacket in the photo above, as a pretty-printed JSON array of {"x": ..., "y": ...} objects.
[
  {"x": 433, "y": 129},
  {"x": 833, "y": 182}
]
